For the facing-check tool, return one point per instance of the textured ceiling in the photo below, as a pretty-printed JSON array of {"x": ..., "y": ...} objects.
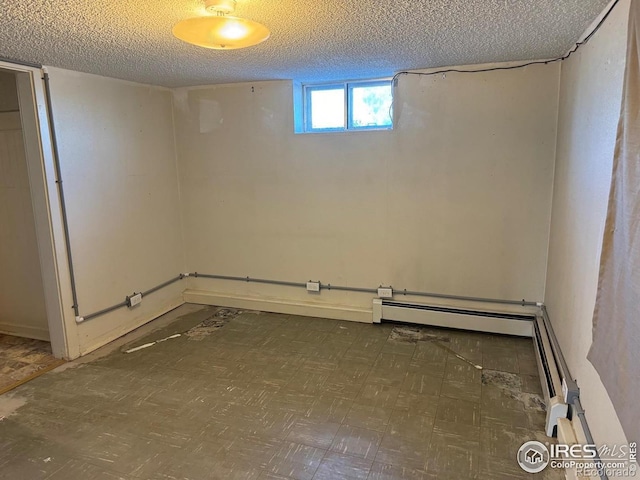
[{"x": 311, "y": 40}]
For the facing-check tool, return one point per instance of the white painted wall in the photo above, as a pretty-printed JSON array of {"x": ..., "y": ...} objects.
[
  {"x": 117, "y": 153},
  {"x": 456, "y": 199},
  {"x": 22, "y": 306},
  {"x": 591, "y": 92}
]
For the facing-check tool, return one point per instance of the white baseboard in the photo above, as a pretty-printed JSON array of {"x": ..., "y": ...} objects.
[
  {"x": 37, "y": 333},
  {"x": 306, "y": 309},
  {"x": 114, "y": 335}
]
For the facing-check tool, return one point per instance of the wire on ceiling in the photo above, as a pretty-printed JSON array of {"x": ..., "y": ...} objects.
[{"x": 513, "y": 67}]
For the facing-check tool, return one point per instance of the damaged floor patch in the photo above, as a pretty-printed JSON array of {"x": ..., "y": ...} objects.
[
  {"x": 503, "y": 380},
  {"x": 22, "y": 359},
  {"x": 533, "y": 401},
  {"x": 9, "y": 404},
  {"x": 405, "y": 334},
  {"x": 198, "y": 332},
  {"x": 210, "y": 325},
  {"x": 409, "y": 335},
  {"x": 511, "y": 385}
]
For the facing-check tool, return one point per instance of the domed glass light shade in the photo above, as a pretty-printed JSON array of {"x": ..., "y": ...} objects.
[{"x": 221, "y": 32}]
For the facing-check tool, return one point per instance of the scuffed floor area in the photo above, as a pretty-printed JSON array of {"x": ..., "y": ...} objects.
[
  {"x": 21, "y": 359},
  {"x": 224, "y": 394}
]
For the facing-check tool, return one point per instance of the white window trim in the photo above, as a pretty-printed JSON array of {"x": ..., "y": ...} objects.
[
  {"x": 349, "y": 99},
  {"x": 307, "y": 89}
]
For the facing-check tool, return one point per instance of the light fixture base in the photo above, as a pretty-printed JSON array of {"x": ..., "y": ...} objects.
[
  {"x": 221, "y": 32},
  {"x": 224, "y": 7}
]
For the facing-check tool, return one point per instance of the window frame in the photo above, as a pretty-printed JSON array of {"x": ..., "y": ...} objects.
[
  {"x": 308, "y": 89},
  {"x": 371, "y": 83},
  {"x": 347, "y": 87}
]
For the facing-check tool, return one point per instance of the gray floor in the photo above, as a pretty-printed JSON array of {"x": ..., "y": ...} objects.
[{"x": 265, "y": 396}]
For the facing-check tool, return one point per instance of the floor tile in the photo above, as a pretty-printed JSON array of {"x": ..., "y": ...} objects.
[
  {"x": 461, "y": 371},
  {"x": 410, "y": 425},
  {"x": 369, "y": 417},
  {"x": 453, "y": 462},
  {"x": 377, "y": 395},
  {"x": 268, "y": 396},
  {"x": 336, "y": 466},
  {"x": 381, "y": 471},
  {"x": 394, "y": 450},
  {"x": 318, "y": 435},
  {"x": 79, "y": 469},
  {"x": 504, "y": 360},
  {"x": 357, "y": 442},
  {"x": 296, "y": 461},
  {"x": 456, "y": 435},
  {"x": 459, "y": 411},
  {"x": 418, "y": 403},
  {"x": 462, "y": 390},
  {"x": 422, "y": 383},
  {"x": 328, "y": 408}
]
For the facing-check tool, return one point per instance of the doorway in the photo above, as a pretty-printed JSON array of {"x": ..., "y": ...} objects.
[
  {"x": 32, "y": 324},
  {"x": 22, "y": 306},
  {"x": 25, "y": 348}
]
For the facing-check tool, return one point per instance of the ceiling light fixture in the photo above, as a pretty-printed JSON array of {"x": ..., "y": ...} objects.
[{"x": 221, "y": 31}]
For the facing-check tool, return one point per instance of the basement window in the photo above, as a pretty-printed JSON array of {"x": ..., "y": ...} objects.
[{"x": 346, "y": 106}]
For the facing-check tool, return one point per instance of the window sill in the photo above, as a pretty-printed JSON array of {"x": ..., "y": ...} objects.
[{"x": 342, "y": 132}]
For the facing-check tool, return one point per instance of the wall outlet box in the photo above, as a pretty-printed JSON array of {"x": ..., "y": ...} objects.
[
  {"x": 385, "y": 292},
  {"x": 313, "y": 286},
  {"x": 134, "y": 300}
]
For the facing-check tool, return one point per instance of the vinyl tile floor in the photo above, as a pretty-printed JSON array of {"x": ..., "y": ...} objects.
[{"x": 249, "y": 395}]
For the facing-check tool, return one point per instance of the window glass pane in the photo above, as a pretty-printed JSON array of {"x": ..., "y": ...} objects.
[
  {"x": 327, "y": 108},
  {"x": 371, "y": 106}
]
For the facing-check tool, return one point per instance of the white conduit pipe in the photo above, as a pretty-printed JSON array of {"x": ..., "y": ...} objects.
[{"x": 328, "y": 286}]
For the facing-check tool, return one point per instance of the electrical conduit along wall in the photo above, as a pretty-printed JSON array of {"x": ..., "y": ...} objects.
[
  {"x": 117, "y": 155},
  {"x": 591, "y": 93},
  {"x": 456, "y": 199},
  {"x": 22, "y": 307}
]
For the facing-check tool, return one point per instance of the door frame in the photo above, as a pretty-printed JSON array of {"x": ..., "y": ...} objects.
[{"x": 46, "y": 206}]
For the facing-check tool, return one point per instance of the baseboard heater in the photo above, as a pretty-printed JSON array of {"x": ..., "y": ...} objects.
[
  {"x": 558, "y": 388},
  {"x": 458, "y": 318}
]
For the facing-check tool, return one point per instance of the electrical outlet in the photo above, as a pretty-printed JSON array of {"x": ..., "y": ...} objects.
[
  {"x": 134, "y": 300},
  {"x": 313, "y": 286},
  {"x": 385, "y": 292}
]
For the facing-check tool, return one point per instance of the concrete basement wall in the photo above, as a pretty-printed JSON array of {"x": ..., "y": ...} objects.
[
  {"x": 591, "y": 93},
  {"x": 117, "y": 154},
  {"x": 22, "y": 307},
  {"x": 456, "y": 199}
]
